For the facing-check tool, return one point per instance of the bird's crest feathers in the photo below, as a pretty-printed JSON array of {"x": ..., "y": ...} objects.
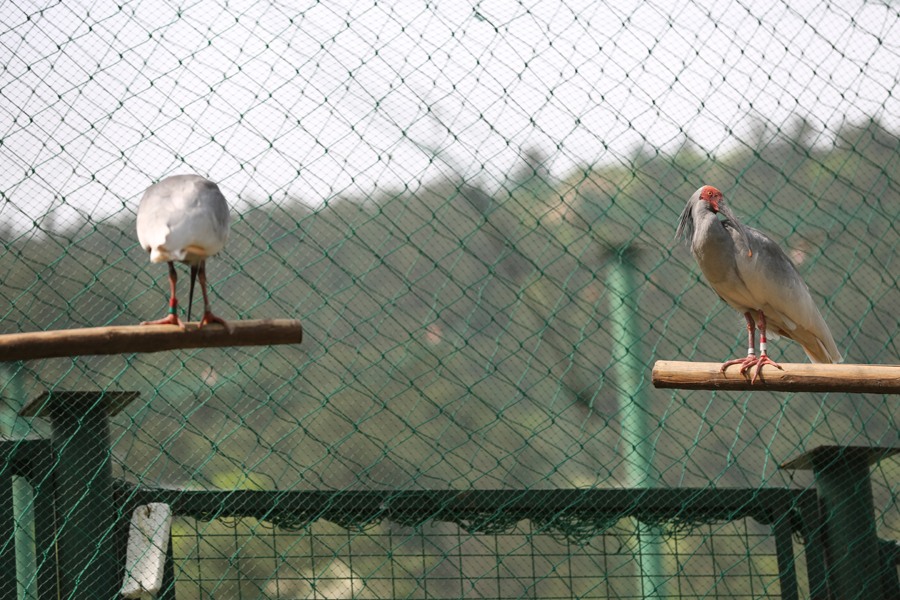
[{"x": 685, "y": 229}]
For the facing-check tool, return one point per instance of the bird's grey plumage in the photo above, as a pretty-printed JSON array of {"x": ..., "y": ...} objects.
[{"x": 750, "y": 272}]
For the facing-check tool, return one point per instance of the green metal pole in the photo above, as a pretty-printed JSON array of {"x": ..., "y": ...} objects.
[
  {"x": 854, "y": 565},
  {"x": 8, "y": 576},
  {"x": 846, "y": 492},
  {"x": 13, "y": 427},
  {"x": 83, "y": 472},
  {"x": 636, "y": 444}
]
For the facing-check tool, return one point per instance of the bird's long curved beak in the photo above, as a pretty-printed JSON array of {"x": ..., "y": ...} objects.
[{"x": 729, "y": 214}]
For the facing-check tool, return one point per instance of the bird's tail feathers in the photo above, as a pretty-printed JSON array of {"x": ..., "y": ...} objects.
[
  {"x": 160, "y": 254},
  {"x": 820, "y": 354},
  {"x": 818, "y": 351}
]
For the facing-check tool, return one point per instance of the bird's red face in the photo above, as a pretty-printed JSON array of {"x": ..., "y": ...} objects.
[{"x": 711, "y": 195}]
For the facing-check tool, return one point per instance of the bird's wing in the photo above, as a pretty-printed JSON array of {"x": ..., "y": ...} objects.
[
  {"x": 181, "y": 215},
  {"x": 779, "y": 290},
  {"x": 200, "y": 218},
  {"x": 716, "y": 253},
  {"x": 153, "y": 215}
]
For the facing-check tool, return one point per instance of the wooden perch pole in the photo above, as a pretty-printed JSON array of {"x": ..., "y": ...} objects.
[
  {"x": 146, "y": 338},
  {"x": 796, "y": 377}
]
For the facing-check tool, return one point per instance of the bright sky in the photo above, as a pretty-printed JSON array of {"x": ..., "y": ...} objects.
[{"x": 325, "y": 99}]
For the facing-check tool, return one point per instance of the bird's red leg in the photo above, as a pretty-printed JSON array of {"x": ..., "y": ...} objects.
[
  {"x": 751, "y": 359},
  {"x": 172, "y": 319},
  {"x": 208, "y": 317},
  {"x": 763, "y": 355}
]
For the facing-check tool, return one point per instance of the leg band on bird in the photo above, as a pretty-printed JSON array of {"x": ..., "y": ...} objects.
[
  {"x": 751, "y": 360},
  {"x": 763, "y": 354},
  {"x": 172, "y": 317},
  {"x": 751, "y": 335}
]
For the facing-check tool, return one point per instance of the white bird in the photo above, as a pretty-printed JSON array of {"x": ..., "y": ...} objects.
[
  {"x": 184, "y": 218},
  {"x": 749, "y": 272}
]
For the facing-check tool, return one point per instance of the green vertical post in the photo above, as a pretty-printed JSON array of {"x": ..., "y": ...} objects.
[
  {"x": 636, "y": 444},
  {"x": 12, "y": 427},
  {"x": 45, "y": 521},
  {"x": 8, "y": 576},
  {"x": 83, "y": 472},
  {"x": 782, "y": 527},
  {"x": 854, "y": 562},
  {"x": 814, "y": 533},
  {"x": 843, "y": 484}
]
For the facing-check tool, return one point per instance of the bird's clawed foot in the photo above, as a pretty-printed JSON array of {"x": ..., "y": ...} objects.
[
  {"x": 172, "y": 319},
  {"x": 750, "y": 362},
  {"x": 208, "y": 318},
  {"x": 745, "y": 363},
  {"x": 764, "y": 360}
]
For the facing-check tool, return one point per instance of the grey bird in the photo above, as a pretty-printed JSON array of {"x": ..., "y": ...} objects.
[
  {"x": 184, "y": 218},
  {"x": 752, "y": 274}
]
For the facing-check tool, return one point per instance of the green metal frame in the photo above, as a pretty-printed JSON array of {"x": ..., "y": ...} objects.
[
  {"x": 769, "y": 506},
  {"x": 43, "y": 464},
  {"x": 766, "y": 505},
  {"x": 855, "y": 563},
  {"x": 778, "y": 507}
]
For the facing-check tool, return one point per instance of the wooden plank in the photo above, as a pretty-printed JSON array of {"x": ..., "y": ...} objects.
[
  {"x": 146, "y": 338},
  {"x": 796, "y": 377}
]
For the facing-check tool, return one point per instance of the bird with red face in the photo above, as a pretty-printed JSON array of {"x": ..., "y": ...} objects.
[{"x": 751, "y": 273}]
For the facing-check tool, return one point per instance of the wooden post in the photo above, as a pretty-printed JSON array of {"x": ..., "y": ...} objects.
[
  {"x": 146, "y": 338},
  {"x": 875, "y": 379}
]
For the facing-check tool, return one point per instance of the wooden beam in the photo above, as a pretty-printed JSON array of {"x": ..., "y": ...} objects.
[
  {"x": 146, "y": 338},
  {"x": 796, "y": 377}
]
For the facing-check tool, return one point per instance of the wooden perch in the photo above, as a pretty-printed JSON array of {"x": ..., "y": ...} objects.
[
  {"x": 875, "y": 379},
  {"x": 146, "y": 338}
]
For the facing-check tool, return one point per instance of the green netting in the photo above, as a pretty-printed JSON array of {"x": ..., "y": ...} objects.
[{"x": 471, "y": 209}]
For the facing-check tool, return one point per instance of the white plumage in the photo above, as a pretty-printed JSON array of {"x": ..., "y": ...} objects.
[{"x": 185, "y": 219}]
